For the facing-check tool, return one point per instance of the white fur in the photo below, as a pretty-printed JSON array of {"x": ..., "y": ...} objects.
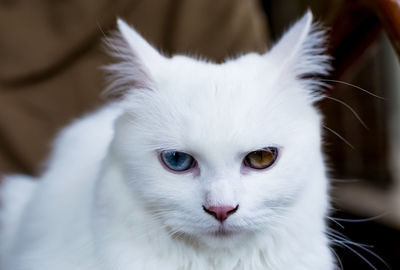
[{"x": 106, "y": 202}]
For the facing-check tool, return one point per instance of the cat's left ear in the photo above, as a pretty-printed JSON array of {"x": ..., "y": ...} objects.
[
  {"x": 301, "y": 50},
  {"x": 137, "y": 64}
]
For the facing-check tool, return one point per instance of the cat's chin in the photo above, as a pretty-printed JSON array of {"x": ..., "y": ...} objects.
[
  {"x": 220, "y": 237},
  {"x": 223, "y": 237}
]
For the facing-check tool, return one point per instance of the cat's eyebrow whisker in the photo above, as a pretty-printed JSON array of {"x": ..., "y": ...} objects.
[
  {"x": 351, "y": 109},
  {"x": 339, "y": 136},
  {"x": 355, "y": 86}
]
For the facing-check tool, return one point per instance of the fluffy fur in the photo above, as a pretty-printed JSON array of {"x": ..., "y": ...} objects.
[{"x": 106, "y": 202}]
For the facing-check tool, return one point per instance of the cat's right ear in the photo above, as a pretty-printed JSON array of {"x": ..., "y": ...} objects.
[
  {"x": 301, "y": 50},
  {"x": 137, "y": 61},
  {"x": 301, "y": 53}
]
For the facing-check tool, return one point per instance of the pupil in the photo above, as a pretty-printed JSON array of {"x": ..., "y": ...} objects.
[
  {"x": 259, "y": 156},
  {"x": 176, "y": 157}
]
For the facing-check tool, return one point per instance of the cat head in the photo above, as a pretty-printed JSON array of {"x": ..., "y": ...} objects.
[{"x": 218, "y": 151}]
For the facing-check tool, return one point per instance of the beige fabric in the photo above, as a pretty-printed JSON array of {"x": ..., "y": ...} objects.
[{"x": 51, "y": 52}]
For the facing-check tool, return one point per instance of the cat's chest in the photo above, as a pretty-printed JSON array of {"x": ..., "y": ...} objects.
[{"x": 146, "y": 257}]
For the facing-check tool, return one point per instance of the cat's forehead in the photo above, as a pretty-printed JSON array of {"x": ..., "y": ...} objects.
[
  {"x": 232, "y": 74},
  {"x": 231, "y": 83},
  {"x": 234, "y": 106}
]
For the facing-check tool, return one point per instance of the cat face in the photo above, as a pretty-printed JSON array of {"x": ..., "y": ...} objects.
[{"x": 220, "y": 151}]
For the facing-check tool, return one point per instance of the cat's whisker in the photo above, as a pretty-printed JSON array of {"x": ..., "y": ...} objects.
[
  {"x": 337, "y": 258},
  {"x": 339, "y": 239},
  {"x": 375, "y": 255},
  {"x": 343, "y": 241},
  {"x": 101, "y": 29},
  {"x": 354, "y": 86},
  {"x": 363, "y": 219},
  {"x": 351, "y": 109},
  {"x": 335, "y": 221},
  {"x": 339, "y": 136},
  {"x": 360, "y": 256},
  {"x": 174, "y": 233},
  {"x": 336, "y": 232}
]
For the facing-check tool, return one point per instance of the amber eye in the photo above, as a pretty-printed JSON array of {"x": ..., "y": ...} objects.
[{"x": 261, "y": 159}]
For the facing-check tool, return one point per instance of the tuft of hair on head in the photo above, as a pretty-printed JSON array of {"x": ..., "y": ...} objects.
[
  {"x": 302, "y": 51},
  {"x": 135, "y": 63}
]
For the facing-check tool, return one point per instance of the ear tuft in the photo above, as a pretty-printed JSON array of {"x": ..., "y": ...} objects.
[
  {"x": 302, "y": 52},
  {"x": 135, "y": 63}
]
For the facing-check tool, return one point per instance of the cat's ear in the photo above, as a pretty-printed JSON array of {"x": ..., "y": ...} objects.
[
  {"x": 137, "y": 61},
  {"x": 301, "y": 50}
]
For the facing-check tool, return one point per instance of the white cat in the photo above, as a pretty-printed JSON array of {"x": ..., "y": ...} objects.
[{"x": 199, "y": 166}]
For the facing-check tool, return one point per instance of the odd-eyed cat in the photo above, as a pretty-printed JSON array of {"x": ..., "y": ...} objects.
[{"x": 199, "y": 166}]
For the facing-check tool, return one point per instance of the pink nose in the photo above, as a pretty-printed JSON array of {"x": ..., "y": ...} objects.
[{"x": 221, "y": 213}]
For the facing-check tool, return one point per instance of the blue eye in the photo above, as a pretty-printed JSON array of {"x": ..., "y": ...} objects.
[{"x": 177, "y": 161}]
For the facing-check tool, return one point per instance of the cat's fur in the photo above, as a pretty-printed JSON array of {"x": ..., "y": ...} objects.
[{"x": 106, "y": 202}]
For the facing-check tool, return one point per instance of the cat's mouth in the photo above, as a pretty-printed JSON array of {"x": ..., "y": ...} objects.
[{"x": 222, "y": 232}]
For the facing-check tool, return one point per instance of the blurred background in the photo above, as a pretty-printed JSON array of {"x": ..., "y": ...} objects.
[{"x": 51, "y": 51}]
